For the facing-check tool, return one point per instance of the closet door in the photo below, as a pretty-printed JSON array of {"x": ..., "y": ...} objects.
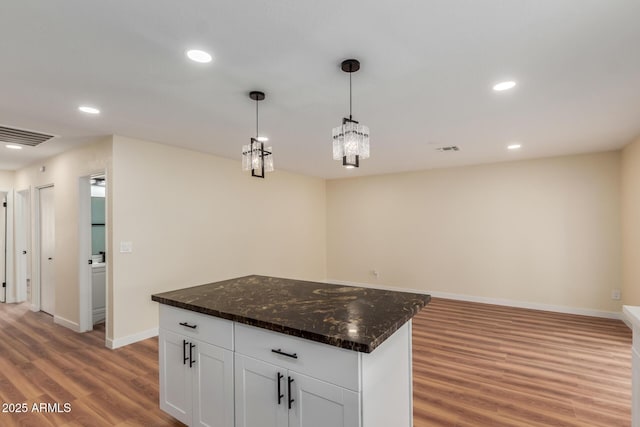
[{"x": 47, "y": 248}]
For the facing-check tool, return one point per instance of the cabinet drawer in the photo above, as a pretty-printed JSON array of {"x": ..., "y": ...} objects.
[
  {"x": 209, "y": 329},
  {"x": 322, "y": 361}
]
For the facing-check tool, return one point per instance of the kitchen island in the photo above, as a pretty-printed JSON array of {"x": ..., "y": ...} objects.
[{"x": 271, "y": 352}]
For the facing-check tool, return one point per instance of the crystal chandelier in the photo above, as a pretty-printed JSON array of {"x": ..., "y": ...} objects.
[
  {"x": 351, "y": 140},
  {"x": 255, "y": 156}
]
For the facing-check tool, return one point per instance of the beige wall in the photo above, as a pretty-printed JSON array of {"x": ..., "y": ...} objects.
[
  {"x": 195, "y": 218},
  {"x": 541, "y": 231},
  {"x": 6, "y": 180},
  {"x": 631, "y": 223},
  {"x": 64, "y": 171}
]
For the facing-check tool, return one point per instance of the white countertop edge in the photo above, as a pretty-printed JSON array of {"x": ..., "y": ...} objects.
[{"x": 632, "y": 314}]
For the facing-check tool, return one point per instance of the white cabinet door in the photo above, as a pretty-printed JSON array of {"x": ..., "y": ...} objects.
[
  {"x": 320, "y": 404},
  {"x": 176, "y": 378},
  {"x": 213, "y": 386},
  {"x": 258, "y": 403}
]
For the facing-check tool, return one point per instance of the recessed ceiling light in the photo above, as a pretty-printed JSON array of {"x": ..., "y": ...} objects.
[
  {"x": 499, "y": 87},
  {"x": 349, "y": 167},
  {"x": 514, "y": 146},
  {"x": 14, "y": 146},
  {"x": 89, "y": 110},
  {"x": 199, "y": 56},
  {"x": 262, "y": 138}
]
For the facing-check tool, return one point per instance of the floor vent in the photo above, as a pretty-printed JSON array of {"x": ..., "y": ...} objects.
[
  {"x": 449, "y": 148},
  {"x": 23, "y": 137}
]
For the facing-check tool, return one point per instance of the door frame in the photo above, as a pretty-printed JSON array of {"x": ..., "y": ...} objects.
[
  {"x": 35, "y": 289},
  {"x": 84, "y": 252}
]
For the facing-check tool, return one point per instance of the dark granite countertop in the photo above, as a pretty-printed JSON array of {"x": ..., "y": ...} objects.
[{"x": 350, "y": 317}]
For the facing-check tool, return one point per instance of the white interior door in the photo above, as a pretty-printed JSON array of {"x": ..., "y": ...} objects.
[
  {"x": 3, "y": 254},
  {"x": 47, "y": 247},
  {"x": 22, "y": 239}
]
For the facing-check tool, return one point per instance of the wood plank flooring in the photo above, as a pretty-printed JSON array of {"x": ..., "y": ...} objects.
[
  {"x": 42, "y": 362},
  {"x": 474, "y": 365},
  {"x": 485, "y": 365}
]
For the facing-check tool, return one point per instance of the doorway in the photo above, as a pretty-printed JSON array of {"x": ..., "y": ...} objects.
[
  {"x": 92, "y": 252},
  {"x": 46, "y": 241}
]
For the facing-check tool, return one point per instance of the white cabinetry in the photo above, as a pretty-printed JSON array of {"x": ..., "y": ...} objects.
[
  {"x": 196, "y": 368},
  {"x": 98, "y": 281},
  {"x": 258, "y": 402},
  {"x": 320, "y": 404},
  {"x": 328, "y": 385},
  {"x": 243, "y": 376},
  {"x": 271, "y": 396},
  {"x": 632, "y": 314}
]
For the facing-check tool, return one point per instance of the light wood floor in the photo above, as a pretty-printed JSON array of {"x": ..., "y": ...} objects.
[
  {"x": 474, "y": 365},
  {"x": 485, "y": 365}
]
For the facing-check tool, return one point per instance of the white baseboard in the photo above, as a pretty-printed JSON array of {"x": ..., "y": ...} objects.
[
  {"x": 66, "y": 323},
  {"x": 130, "y": 339},
  {"x": 495, "y": 301}
]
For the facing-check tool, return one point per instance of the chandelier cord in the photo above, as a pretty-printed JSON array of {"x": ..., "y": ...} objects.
[
  {"x": 257, "y": 119},
  {"x": 350, "y": 97}
]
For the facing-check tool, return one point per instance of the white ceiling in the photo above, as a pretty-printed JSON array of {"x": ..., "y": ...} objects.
[{"x": 426, "y": 77}]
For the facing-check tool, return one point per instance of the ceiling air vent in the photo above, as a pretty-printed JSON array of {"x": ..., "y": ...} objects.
[
  {"x": 449, "y": 148},
  {"x": 23, "y": 137}
]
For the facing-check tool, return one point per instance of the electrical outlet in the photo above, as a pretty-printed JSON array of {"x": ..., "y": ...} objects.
[
  {"x": 126, "y": 247},
  {"x": 615, "y": 294}
]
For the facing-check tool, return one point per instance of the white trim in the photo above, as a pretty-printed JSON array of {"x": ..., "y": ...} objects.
[
  {"x": 130, "y": 339},
  {"x": 66, "y": 323},
  {"x": 494, "y": 301}
]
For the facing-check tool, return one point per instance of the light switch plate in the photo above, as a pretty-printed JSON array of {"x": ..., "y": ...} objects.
[{"x": 126, "y": 247}]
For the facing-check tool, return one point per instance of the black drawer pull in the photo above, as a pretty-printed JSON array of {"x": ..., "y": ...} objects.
[
  {"x": 279, "y": 351},
  {"x": 188, "y": 325},
  {"x": 184, "y": 352},
  {"x": 291, "y": 399},
  {"x": 280, "y": 395},
  {"x": 191, "y": 361}
]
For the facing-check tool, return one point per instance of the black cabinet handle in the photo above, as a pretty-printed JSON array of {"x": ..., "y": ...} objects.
[
  {"x": 291, "y": 399},
  {"x": 24, "y": 252},
  {"x": 279, "y": 351},
  {"x": 184, "y": 352},
  {"x": 191, "y": 361},
  {"x": 280, "y": 395},
  {"x": 185, "y": 324}
]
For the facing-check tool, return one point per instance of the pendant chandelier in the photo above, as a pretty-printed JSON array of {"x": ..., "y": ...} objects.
[
  {"x": 255, "y": 156},
  {"x": 351, "y": 140}
]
